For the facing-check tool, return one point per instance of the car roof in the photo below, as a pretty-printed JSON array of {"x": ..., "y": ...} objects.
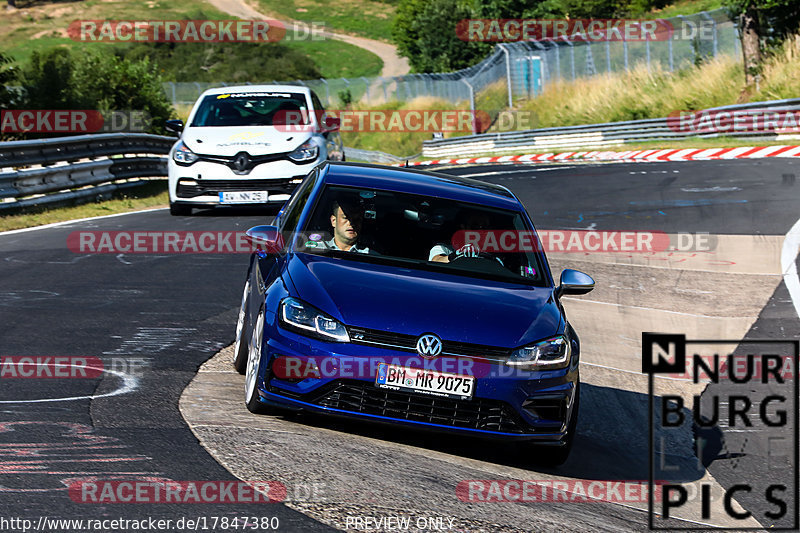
[
  {"x": 258, "y": 89},
  {"x": 408, "y": 180}
]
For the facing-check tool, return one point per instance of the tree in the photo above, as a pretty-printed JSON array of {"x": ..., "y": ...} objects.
[
  {"x": 763, "y": 24},
  {"x": 8, "y": 75}
]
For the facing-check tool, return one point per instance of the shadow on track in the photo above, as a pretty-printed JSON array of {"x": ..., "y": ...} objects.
[{"x": 611, "y": 443}]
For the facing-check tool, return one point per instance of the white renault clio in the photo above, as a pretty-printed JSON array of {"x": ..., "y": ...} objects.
[{"x": 248, "y": 145}]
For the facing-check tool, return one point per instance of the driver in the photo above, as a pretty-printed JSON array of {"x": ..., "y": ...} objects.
[
  {"x": 445, "y": 253},
  {"x": 346, "y": 219}
]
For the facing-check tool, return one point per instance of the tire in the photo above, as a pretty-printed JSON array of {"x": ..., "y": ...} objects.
[
  {"x": 557, "y": 455},
  {"x": 178, "y": 210},
  {"x": 240, "y": 349},
  {"x": 254, "y": 350}
]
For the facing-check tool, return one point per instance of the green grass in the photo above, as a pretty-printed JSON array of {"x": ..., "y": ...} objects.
[
  {"x": 684, "y": 7},
  {"x": 336, "y": 59},
  {"x": 148, "y": 196},
  {"x": 399, "y": 143},
  {"x": 366, "y": 18},
  {"x": 44, "y": 25}
]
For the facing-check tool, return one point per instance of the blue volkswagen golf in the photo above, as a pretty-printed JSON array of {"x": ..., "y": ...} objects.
[{"x": 413, "y": 298}]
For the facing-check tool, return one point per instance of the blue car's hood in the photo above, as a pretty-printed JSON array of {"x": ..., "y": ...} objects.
[{"x": 413, "y": 302}]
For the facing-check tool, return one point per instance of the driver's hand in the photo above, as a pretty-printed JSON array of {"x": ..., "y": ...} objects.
[{"x": 468, "y": 250}]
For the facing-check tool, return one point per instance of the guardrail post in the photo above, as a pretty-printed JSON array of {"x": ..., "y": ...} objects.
[
  {"x": 671, "y": 60},
  {"x": 625, "y": 52},
  {"x": 508, "y": 75},
  {"x": 327, "y": 91},
  {"x": 572, "y": 58},
  {"x": 471, "y": 104},
  {"x": 366, "y": 88}
]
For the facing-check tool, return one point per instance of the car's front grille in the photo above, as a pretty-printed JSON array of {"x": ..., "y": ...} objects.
[
  {"x": 477, "y": 413},
  {"x": 401, "y": 341},
  {"x": 205, "y": 187}
]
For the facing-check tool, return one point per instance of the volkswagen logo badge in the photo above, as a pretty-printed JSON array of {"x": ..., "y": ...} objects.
[
  {"x": 241, "y": 161},
  {"x": 429, "y": 346}
]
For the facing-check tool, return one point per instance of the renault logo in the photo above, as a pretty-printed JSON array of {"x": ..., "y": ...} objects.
[
  {"x": 429, "y": 346},
  {"x": 241, "y": 161}
]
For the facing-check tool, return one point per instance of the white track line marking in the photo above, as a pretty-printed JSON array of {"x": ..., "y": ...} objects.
[
  {"x": 129, "y": 384},
  {"x": 791, "y": 243},
  {"x": 65, "y": 222}
]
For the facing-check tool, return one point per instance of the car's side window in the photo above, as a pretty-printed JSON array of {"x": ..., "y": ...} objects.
[
  {"x": 318, "y": 107},
  {"x": 291, "y": 215}
]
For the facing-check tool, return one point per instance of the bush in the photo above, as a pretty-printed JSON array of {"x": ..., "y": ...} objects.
[
  {"x": 224, "y": 62},
  {"x": 60, "y": 79}
]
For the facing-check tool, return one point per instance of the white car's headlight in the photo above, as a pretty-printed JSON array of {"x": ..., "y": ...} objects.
[
  {"x": 308, "y": 320},
  {"x": 184, "y": 156},
  {"x": 308, "y": 151},
  {"x": 547, "y": 354}
]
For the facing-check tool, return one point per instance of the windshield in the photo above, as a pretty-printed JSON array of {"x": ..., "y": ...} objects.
[
  {"x": 421, "y": 232},
  {"x": 251, "y": 109}
]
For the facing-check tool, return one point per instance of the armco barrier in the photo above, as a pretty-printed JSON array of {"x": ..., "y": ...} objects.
[
  {"x": 67, "y": 168},
  {"x": 597, "y": 135}
]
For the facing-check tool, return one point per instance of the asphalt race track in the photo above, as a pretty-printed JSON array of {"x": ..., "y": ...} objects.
[{"x": 153, "y": 320}]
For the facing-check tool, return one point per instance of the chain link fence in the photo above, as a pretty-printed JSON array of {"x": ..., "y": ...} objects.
[{"x": 521, "y": 70}]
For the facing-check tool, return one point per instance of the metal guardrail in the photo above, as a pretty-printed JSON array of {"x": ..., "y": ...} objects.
[
  {"x": 46, "y": 171},
  {"x": 598, "y": 135},
  {"x": 373, "y": 156}
]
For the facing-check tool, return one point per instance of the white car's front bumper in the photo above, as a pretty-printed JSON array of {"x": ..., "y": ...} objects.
[{"x": 202, "y": 182}]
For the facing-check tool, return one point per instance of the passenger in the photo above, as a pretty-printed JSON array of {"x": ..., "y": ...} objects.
[{"x": 445, "y": 253}]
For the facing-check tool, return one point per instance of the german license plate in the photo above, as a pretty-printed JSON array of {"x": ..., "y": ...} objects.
[
  {"x": 425, "y": 381},
  {"x": 243, "y": 197}
]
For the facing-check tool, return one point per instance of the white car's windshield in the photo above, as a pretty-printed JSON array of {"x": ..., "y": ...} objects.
[
  {"x": 251, "y": 109},
  {"x": 423, "y": 232}
]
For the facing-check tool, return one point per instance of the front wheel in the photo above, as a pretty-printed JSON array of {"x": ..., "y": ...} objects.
[
  {"x": 240, "y": 348},
  {"x": 254, "y": 352}
]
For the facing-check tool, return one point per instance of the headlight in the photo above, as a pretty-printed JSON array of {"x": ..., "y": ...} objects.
[
  {"x": 298, "y": 316},
  {"x": 184, "y": 156},
  {"x": 547, "y": 354},
  {"x": 307, "y": 151}
]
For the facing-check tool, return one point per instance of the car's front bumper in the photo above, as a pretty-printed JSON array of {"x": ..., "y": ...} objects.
[
  {"x": 202, "y": 182},
  {"x": 533, "y": 406}
]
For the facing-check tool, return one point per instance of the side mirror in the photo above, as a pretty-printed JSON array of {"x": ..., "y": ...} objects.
[
  {"x": 574, "y": 282},
  {"x": 174, "y": 125},
  {"x": 330, "y": 123},
  {"x": 266, "y": 238}
]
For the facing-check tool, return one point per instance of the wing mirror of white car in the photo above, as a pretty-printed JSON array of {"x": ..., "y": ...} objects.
[
  {"x": 174, "y": 125},
  {"x": 266, "y": 238},
  {"x": 574, "y": 282},
  {"x": 330, "y": 123}
]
